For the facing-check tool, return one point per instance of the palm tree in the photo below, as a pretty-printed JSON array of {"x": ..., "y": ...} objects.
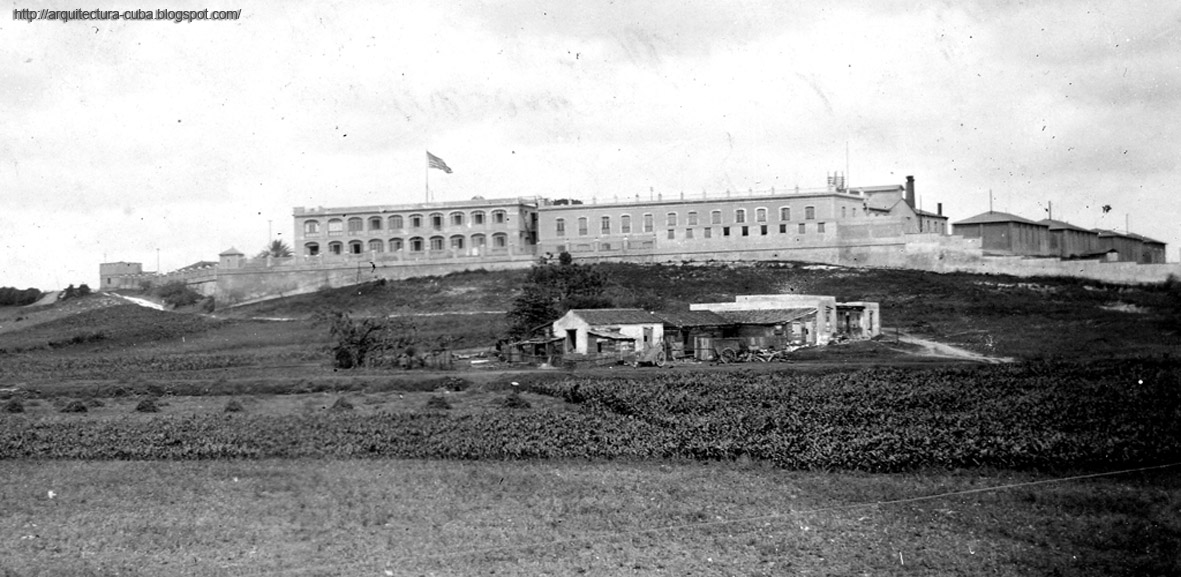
[{"x": 277, "y": 249}]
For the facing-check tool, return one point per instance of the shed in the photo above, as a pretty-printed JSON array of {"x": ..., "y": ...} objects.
[
  {"x": 688, "y": 331},
  {"x": 1006, "y": 234},
  {"x": 601, "y": 331}
]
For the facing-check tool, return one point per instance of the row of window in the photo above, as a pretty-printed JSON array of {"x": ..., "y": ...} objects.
[
  {"x": 336, "y": 226},
  {"x": 707, "y": 232},
  {"x": 647, "y": 222},
  {"x": 415, "y": 244}
]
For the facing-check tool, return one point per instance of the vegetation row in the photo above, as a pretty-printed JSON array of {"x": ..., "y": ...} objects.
[{"x": 1041, "y": 416}]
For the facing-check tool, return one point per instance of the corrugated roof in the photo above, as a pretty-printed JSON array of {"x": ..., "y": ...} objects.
[
  {"x": 692, "y": 318},
  {"x": 994, "y": 217},
  {"x": 766, "y": 316},
  {"x": 1143, "y": 238},
  {"x": 1060, "y": 225},
  {"x": 930, "y": 214},
  {"x": 1103, "y": 233},
  {"x": 615, "y": 316},
  {"x": 613, "y": 335}
]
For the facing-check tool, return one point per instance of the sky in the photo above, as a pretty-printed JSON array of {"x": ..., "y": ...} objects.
[{"x": 165, "y": 142}]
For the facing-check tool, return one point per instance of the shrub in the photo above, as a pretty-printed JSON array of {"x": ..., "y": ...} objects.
[
  {"x": 93, "y": 403},
  {"x": 234, "y": 406},
  {"x": 14, "y": 406},
  {"x": 147, "y": 405},
  {"x": 178, "y": 294},
  {"x": 341, "y": 404},
  {"x": 514, "y": 401},
  {"x": 74, "y": 407},
  {"x": 438, "y": 402}
]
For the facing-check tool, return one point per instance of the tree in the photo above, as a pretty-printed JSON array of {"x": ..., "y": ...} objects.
[
  {"x": 369, "y": 341},
  {"x": 552, "y": 289},
  {"x": 277, "y": 249}
]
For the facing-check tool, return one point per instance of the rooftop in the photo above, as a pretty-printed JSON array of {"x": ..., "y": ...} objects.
[
  {"x": 1062, "y": 225},
  {"x": 996, "y": 217},
  {"x": 766, "y": 316},
  {"x": 615, "y": 316}
]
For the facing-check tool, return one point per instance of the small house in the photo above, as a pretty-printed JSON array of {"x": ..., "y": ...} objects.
[{"x": 608, "y": 331}]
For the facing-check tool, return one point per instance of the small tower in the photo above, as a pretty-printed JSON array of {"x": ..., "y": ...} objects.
[{"x": 231, "y": 258}]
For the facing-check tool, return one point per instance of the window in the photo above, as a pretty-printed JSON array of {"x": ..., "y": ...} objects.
[
  {"x": 763, "y": 229},
  {"x": 499, "y": 216},
  {"x": 605, "y": 246},
  {"x": 436, "y": 243},
  {"x": 416, "y": 221},
  {"x": 820, "y": 227},
  {"x": 479, "y": 241},
  {"x": 605, "y": 225},
  {"x": 783, "y": 229},
  {"x": 478, "y": 217},
  {"x": 396, "y": 222},
  {"x": 625, "y": 224},
  {"x": 854, "y": 212},
  {"x": 375, "y": 223},
  {"x": 311, "y": 227},
  {"x": 582, "y": 226},
  {"x": 457, "y": 242},
  {"x": 746, "y": 231},
  {"x": 803, "y": 228},
  {"x": 725, "y": 231},
  {"x": 740, "y": 215},
  {"x": 457, "y": 218},
  {"x": 335, "y": 227},
  {"x": 416, "y": 244},
  {"x": 437, "y": 221},
  {"x": 499, "y": 240},
  {"x": 784, "y": 213},
  {"x": 354, "y": 247},
  {"x": 356, "y": 225},
  {"x": 809, "y": 213},
  {"x": 311, "y": 249},
  {"x": 672, "y": 234},
  {"x": 560, "y": 227},
  {"x": 715, "y": 217},
  {"x": 648, "y": 222},
  {"x": 688, "y": 233},
  {"x": 709, "y": 232},
  {"x": 376, "y": 245},
  {"x": 760, "y": 215},
  {"x": 842, "y": 212},
  {"x": 670, "y": 219},
  {"x": 395, "y": 244},
  {"x": 692, "y": 218},
  {"x": 335, "y": 247}
]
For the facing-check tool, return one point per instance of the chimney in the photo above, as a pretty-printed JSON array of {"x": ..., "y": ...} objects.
[
  {"x": 939, "y": 208},
  {"x": 910, "y": 191}
]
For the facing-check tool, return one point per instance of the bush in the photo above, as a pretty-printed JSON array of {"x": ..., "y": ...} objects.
[
  {"x": 147, "y": 405},
  {"x": 514, "y": 401},
  {"x": 93, "y": 403},
  {"x": 177, "y": 294},
  {"x": 438, "y": 402},
  {"x": 341, "y": 404},
  {"x": 234, "y": 406},
  {"x": 14, "y": 406},
  {"x": 74, "y": 407}
]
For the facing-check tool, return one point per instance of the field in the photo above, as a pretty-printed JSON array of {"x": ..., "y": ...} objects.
[{"x": 870, "y": 458}]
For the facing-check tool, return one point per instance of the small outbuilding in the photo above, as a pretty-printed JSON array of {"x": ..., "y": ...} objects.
[{"x": 607, "y": 331}]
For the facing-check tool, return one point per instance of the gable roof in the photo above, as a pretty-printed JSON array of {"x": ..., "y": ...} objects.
[
  {"x": 692, "y": 318},
  {"x": 766, "y": 316},
  {"x": 615, "y": 316},
  {"x": 921, "y": 212},
  {"x": 1144, "y": 239},
  {"x": 1062, "y": 225},
  {"x": 996, "y": 217}
]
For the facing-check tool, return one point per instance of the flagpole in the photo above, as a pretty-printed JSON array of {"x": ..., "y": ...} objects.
[{"x": 428, "y": 179}]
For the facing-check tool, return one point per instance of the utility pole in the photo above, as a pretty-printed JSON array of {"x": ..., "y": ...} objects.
[{"x": 157, "y": 260}]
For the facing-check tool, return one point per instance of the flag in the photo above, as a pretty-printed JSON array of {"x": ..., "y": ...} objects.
[{"x": 433, "y": 161}]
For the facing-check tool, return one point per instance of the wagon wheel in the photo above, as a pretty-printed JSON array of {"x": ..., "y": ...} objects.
[
  {"x": 729, "y": 356},
  {"x": 660, "y": 358}
]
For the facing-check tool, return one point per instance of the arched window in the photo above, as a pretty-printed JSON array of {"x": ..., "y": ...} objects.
[
  {"x": 335, "y": 247},
  {"x": 376, "y": 245},
  {"x": 375, "y": 223},
  {"x": 457, "y": 242},
  {"x": 647, "y": 222},
  {"x": 479, "y": 241},
  {"x": 560, "y": 227},
  {"x": 760, "y": 215},
  {"x": 436, "y": 243},
  {"x": 395, "y": 244},
  {"x": 842, "y": 212},
  {"x": 499, "y": 217},
  {"x": 478, "y": 217},
  {"x": 692, "y": 218},
  {"x": 457, "y": 218},
  {"x": 784, "y": 213},
  {"x": 499, "y": 240},
  {"x": 582, "y": 226},
  {"x": 354, "y": 247},
  {"x": 625, "y": 224},
  {"x": 740, "y": 215},
  {"x": 809, "y": 213},
  {"x": 416, "y": 244},
  {"x": 715, "y": 217},
  {"x": 396, "y": 222},
  {"x": 335, "y": 227},
  {"x": 605, "y": 225},
  {"x": 311, "y": 248},
  {"x": 416, "y": 221},
  {"x": 311, "y": 227},
  {"x": 437, "y": 220},
  {"x": 670, "y": 219},
  {"x": 356, "y": 225}
]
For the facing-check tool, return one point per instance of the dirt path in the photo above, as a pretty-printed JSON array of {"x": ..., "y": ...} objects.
[{"x": 929, "y": 348}]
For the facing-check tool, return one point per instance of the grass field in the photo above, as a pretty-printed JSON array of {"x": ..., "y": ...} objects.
[{"x": 397, "y": 517}]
